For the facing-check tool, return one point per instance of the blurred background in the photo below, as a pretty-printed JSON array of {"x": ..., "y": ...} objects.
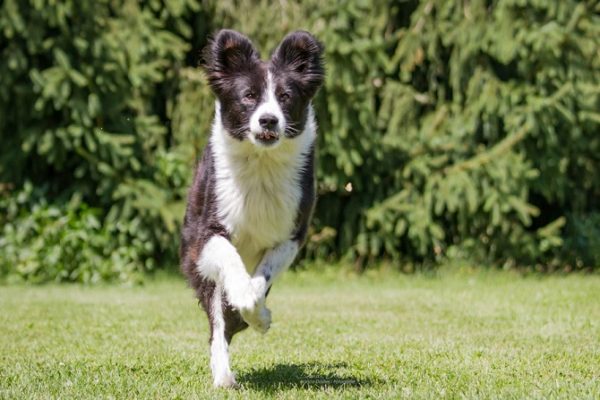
[{"x": 450, "y": 131}]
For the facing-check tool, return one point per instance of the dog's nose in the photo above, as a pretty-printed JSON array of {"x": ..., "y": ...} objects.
[{"x": 268, "y": 121}]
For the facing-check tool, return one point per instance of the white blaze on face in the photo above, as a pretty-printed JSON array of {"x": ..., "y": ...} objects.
[{"x": 268, "y": 106}]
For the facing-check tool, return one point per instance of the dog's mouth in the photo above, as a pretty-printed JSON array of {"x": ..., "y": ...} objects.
[{"x": 267, "y": 137}]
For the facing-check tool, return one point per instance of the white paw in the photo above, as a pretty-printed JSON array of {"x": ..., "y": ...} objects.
[
  {"x": 225, "y": 380},
  {"x": 259, "y": 319},
  {"x": 260, "y": 286},
  {"x": 264, "y": 320},
  {"x": 242, "y": 295}
]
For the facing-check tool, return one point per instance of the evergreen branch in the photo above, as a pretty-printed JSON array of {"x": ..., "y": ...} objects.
[{"x": 498, "y": 149}]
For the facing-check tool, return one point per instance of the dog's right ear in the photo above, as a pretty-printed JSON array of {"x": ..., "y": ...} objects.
[{"x": 227, "y": 53}]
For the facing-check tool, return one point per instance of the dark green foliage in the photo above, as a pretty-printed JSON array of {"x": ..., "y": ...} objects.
[
  {"x": 42, "y": 242},
  {"x": 447, "y": 128},
  {"x": 582, "y": 245},
  {"x": 83, "y": 98}
]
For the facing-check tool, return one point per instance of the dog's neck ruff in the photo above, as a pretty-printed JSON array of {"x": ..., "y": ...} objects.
[{"x": 258, "y": 190}]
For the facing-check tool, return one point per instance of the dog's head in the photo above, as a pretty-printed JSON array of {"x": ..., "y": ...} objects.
[{"x": 264, "y": 102}]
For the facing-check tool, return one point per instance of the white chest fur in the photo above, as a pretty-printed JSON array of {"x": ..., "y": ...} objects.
[{"x": 258, "y": 191}]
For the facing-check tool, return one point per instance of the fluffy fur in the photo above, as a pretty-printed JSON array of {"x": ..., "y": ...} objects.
[{"x": 253, "y": 192}]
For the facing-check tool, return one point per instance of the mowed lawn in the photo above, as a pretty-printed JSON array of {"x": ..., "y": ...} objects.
[{"x": 334, "y": 335}]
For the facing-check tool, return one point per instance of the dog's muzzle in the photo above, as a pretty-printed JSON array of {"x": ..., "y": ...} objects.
[{"x": 267, "y": 137}]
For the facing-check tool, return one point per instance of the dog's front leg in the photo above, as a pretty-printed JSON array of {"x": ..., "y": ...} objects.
[
  {"x": 220, "y": 262},
  {"x": 274, "y": 262}
]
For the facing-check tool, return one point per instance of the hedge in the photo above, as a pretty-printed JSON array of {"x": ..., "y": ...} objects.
[{"x": 448, "y": 130}]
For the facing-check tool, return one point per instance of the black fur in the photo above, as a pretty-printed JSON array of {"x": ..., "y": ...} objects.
[
  {"x": 297, "y": 68},
  {"x": 237, "y": 77}
]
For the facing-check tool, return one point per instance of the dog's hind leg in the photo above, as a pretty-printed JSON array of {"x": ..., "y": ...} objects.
[
  {"x": 219, "y": 344},
  {"x": 225, "y": 321},
  {"x": 233, "y": 292}
]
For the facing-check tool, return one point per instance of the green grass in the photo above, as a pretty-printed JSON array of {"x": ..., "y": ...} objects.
[{"x": 480, "y": 335}]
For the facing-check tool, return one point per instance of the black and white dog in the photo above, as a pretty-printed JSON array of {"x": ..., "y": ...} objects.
[{"x": 254, "y": 188}]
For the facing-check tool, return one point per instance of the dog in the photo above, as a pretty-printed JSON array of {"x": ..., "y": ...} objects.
[{"x": 253, "y": 191}]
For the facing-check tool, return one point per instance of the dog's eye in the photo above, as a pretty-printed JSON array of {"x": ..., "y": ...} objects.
[
  {"x": 283, "y": 97},
  {"x": 250, "y": 96}
]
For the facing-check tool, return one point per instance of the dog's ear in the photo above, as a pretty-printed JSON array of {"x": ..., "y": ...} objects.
[
  {"x": 301, "y": 56},
  {"x": 227, "y": 53}
]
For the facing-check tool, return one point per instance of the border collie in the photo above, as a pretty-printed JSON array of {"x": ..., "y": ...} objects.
[{"x": 254, "y": 188}]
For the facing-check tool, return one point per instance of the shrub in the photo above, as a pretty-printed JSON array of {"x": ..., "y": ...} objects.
[
  {"x": 83, "y": 98},
  {"x": 447, "y": 128},
  {"x": 67, "y": 241}
]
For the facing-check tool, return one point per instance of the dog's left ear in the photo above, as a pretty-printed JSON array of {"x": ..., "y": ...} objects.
[{"x": 301, "y": 56}]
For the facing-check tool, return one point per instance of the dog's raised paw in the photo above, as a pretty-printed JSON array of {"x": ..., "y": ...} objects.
[
  {"x": 265, "y": 319},
  {"x": 259, "y": 285},
  {"x": 259, "y": 319},
  {"x": 242, "y": 296}
]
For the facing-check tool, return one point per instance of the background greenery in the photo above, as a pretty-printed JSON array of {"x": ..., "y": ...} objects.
[{"x": 448, "y": 129}]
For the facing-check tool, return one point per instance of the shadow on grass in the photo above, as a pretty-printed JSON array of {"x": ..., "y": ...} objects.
[{"x": 305, "y": 375}]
